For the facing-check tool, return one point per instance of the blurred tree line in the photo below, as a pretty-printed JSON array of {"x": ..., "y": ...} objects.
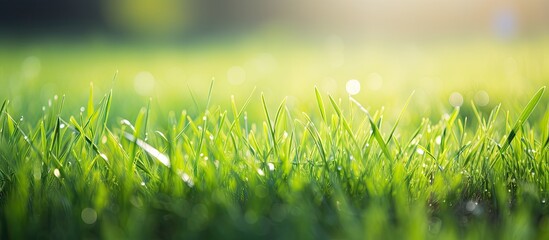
[{"x": 130, "y": 17}]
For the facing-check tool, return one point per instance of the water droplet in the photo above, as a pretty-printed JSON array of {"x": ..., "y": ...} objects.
[
  {"x": 339, "y": 168},
  {"x": 187, "y": 179},
  {"x": 82, "y": 109},
  {"x": 420, "y": 151},
  {"x": 260, "y": 172},
  {"x": 271, "y": 166},
  {"x": 438, "y": 140},
  {"x": 57, "y": 173},
  {"x": 62, "y": 125},
  {"x": 21, "y": 119}
]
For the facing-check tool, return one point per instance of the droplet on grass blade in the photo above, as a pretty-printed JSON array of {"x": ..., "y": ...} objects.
[
  {"x": 186, "y": 178},
  {"x": 438, "y": 140},
  {"x": 260, "y": 172},
  {"x": 56, "y": 173}
]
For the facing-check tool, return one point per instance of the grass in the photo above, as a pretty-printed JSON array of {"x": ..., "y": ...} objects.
[
  {"x": 274, "y": 156},
  {"x": 329, "y": 172}
]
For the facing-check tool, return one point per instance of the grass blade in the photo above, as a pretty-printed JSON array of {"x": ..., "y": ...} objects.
[
  {"x": 320, "y": 105},
  {"x": 375, "y": 130},
  {"x": 522, "y": 119}
]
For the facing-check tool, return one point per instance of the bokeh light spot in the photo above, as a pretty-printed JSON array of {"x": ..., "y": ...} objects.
[
  {"x": 456, "y": 99},
  {"x": 353, "y": 87},
  {"x": 30, "y": 68},
  {"x": 144, "y": 83},
  {"x": 236, "y": 75},
  {"x": 89, "y": 216},
  {"x": 375, "y": 82},
  {"x": 482, "y": 98}
]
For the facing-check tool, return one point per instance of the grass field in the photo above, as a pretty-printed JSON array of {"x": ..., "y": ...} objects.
[{"x": 261, "y": 139}]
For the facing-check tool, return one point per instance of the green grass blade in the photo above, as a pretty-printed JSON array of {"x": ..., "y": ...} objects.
[
  {"x": 398, "y": 119},
  {"x": 90, "y": 109},
  {"x": 163, "y": 158},
  {"x": 522, "y": 119},
  {"x": 269, "y": 123},
  {"x": 320, "y": 104},
  {"x": 4, "y": 105},
  {"x": 375, "y": 131}
]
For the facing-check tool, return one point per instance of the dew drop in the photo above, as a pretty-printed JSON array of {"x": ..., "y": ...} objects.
[
  {"x": 438, "y": 140},
  {"x": 260, "y": 172},
  {"x": 56, "y": 173}
]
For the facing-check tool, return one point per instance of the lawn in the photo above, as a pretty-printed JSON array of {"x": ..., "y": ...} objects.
[{"x": 261, "y": 138}]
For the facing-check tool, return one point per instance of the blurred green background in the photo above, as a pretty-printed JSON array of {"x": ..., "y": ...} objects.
[{"x": 450, "y": 53}]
